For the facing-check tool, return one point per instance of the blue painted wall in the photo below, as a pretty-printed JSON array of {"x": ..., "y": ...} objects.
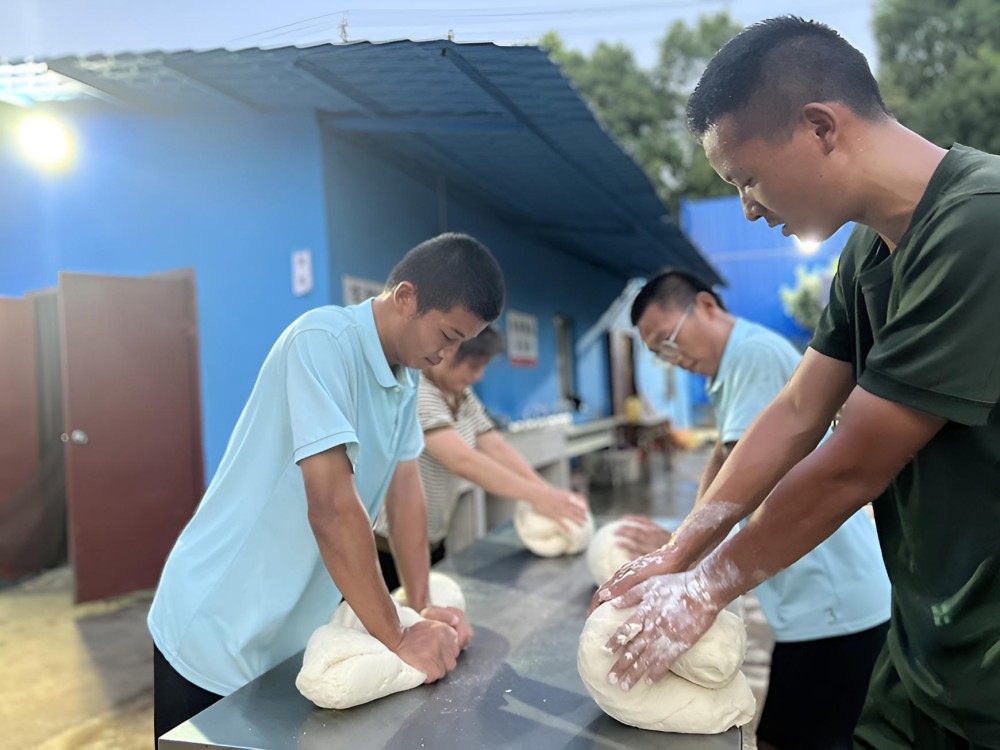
[
  {"x": 377, "y": 212},
  {"x": 232, "y": 195},
  {"x": 756, "y": 261}
]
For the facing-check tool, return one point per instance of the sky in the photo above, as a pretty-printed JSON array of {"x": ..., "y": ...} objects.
[{"x": 51, "y": 28}]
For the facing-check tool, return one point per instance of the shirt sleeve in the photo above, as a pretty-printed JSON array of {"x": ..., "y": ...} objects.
[
  {"x": 834, "y": 335},
  {"x": 939, "y": 351},
  {"x": 757, "y": 376},
  {"x": 320, "y": 391},
  {"x": 480, "y": 419},
  {"x": 432, "y": 410}
]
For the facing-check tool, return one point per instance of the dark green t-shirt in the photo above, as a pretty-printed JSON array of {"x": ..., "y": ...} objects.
[{"x": 922, "y": 328}]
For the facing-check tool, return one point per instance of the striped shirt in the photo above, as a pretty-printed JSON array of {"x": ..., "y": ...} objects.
[{"x": 469, "y": 419}]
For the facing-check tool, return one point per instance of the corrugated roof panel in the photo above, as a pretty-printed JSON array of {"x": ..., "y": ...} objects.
[{"x": 502, "y": 121}]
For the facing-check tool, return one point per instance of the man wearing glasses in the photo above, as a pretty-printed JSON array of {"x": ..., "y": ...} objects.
[{"x": 830, "y": 610}]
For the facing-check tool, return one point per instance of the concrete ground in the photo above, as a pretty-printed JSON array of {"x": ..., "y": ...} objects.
[
  {"x": 77, "y": 677},
  {"x": 80, "y": 677}
]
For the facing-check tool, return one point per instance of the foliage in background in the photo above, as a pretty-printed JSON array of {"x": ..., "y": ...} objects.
[
  {"x": 939, "y": 68},
  {"x": 804, "y": 302},
  {"x": 645, "y": 109}
]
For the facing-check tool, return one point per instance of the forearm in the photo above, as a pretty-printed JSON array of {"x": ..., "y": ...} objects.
[
  {"x": 347, "y": 546},
  {"x": 708, "y": 476},
  {"x": 494, "y": 446},
  {"x": 496, "y": 478},
  {"x": 805, "y": 508},
  {"x": 407, "y": 516},
  {"x": 777, "y": 440},
  {"x": 875, "y": 440}
]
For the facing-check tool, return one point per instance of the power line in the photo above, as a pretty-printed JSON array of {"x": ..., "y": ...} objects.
[
  {"x": 287, "y": 26},
  {"x": 500, "y": 23},
  {"x": 393, "y": 15}
]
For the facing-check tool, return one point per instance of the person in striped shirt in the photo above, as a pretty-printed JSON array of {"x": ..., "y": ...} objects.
[{"x": 461, "y": 440}]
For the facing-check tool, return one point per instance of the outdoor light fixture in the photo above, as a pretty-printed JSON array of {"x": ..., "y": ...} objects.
[
  {"x": 45, "y": 141},
  {"x": 807, "y": 247}
]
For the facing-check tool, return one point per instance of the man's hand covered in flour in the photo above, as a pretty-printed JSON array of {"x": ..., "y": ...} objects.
[
  {"x": 632, "y": 574},
  {"x": 672, "y": 612},
  {"x": 667, "y": 559}
]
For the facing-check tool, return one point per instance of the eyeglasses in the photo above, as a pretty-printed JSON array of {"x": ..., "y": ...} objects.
[{"x": 668, "y": 350}]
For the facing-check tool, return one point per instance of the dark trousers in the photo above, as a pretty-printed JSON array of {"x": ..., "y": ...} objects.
[
  {"x": 817, "y": 689},
  {"x": 175, "y": 699},
  {"x": 388, "y": 565}
]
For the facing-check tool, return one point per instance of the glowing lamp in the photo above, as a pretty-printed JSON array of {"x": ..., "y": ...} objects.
[{"x": 45, "y": 141}]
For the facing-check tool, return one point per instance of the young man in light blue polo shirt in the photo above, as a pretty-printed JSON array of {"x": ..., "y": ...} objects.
[
  {"x": 829, "y": 611},
  {"x": 284, "y": 530}
]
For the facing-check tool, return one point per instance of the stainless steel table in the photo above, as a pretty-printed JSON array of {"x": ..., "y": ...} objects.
[{"x": 516, "y": 685}]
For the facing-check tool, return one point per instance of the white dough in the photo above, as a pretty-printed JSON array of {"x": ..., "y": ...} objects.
[
  {"x": 673, "y": 704},
  {"x": 606, "y": 555},
  {"x": 443, "y": 591},
  {"x": 343, "y": 666},
  {"x": 717, "y": 657},
  {"x": 545, "y": 537}
]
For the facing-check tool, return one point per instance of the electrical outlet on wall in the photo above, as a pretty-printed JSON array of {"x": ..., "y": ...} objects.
[{"x": 302, "y": 272}]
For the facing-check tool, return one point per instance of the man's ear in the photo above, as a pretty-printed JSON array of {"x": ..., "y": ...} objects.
[
  {"x": 706, "y": 301},
  {"x": 404, "y": 299},
  {"x": 824, "y": 123}
]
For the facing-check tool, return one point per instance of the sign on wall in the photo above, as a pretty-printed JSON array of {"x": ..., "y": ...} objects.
[
  {"x": 357, "y": 290},
  {"x": 522, "y": 339},
  {"x": 302, "y": 272}
]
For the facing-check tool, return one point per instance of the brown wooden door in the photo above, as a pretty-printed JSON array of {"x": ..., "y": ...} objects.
[
  {"x": 134, "y": 468},
  {"x": 19, "y": 440},
  {"x": 18, "y": 395}
]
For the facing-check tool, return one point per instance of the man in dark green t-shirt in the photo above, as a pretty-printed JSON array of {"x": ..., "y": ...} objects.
[{"x": 908, "y": 349}]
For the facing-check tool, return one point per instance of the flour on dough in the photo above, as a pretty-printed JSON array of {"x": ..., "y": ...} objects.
[{"x": 673, "y": 704}]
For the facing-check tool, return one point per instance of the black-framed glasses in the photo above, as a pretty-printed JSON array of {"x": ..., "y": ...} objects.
[{"x": 668, "y": 350}]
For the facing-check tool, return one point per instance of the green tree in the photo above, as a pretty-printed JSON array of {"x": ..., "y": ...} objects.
[
  {"x": 645, "y": 110},
  {"x": 939, "y": 68}
]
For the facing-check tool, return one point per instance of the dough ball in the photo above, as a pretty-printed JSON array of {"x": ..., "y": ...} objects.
[
  {"x": 605, "y": 555},
  {"x": 444, "y": 592},
  {"x": 674, "y": 704},
  {"x": 545, "y": 537},
  {"x": 343, "y": 666},
  {"x": 717, "y": 657}
]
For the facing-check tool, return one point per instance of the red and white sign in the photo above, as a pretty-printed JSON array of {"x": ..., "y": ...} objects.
[{"x": 522, "y": 339}]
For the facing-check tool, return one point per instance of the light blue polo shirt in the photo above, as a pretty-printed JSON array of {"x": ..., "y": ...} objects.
[
  {"x": 245, "y": 587},
  {"x": 839, "y": 588}
]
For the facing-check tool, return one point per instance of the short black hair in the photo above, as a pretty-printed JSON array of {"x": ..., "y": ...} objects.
[
  {"x": 453, "y": 269},
  {"x": 771, "y": 69},
  {"x": 486, "y": 345},
  {"x": 673, "y": 287}
]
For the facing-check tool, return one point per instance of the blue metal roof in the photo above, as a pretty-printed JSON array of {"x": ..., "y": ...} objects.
[{"x": 502, "y": 124}]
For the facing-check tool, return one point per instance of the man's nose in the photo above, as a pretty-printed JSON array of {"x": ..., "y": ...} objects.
[
  {"x": 751, "y": 208},
  {"x": 449, "y": 348}
]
